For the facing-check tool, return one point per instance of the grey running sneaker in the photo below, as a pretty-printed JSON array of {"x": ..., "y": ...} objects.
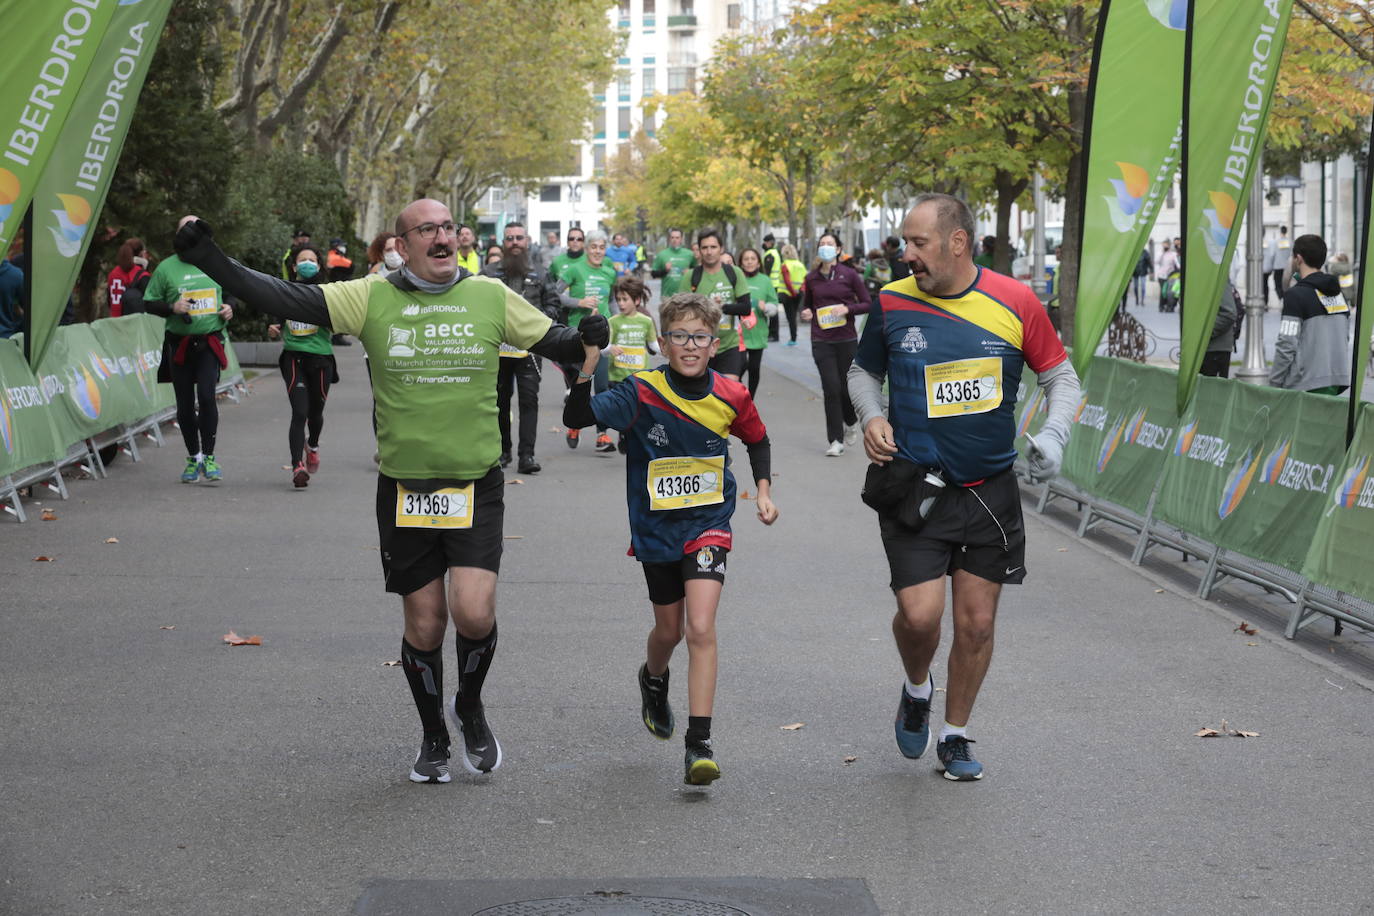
[
  {"x": 431, "y": 764},
  {"x": 956, "y": 762},
  {"x": 480, "y": 752},
  {"x": 912, "y": 725}
]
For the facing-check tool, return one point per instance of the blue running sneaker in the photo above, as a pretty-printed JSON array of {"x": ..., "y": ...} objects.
[
  {"x": 955, "y": 760},
  {"x": 192, "y": 472},
  {"x": 913, "y": 724},
  {"x": 210, "y": 468}
]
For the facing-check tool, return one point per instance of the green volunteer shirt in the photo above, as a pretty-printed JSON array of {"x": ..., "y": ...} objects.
[
  {"x": 585, "y": 280},
  {"x": 563, "y": 264},
  {"x": 172, "y": 280},
  {"x": 715, "y": 285},
  {"x": 306, "y": 338},
  {"x": 434, "y": 361},
  {"x": 677, "y": 261},
  {"x": 633, "y": 333},
  {"x": 760, "y": 291}
]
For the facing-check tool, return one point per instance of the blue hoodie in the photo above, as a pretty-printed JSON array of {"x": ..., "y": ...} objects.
[
  {"x": 622, "y": 258},
  {"x": 11, "y": 294}
]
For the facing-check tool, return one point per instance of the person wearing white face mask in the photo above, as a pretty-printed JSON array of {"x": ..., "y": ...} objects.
[
  {"x": 308, "y": 369},
  {"x": 382, "y": 257},
  {"x": 833, "y": 294}
]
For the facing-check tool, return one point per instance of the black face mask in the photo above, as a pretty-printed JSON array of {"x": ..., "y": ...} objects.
[{"x": 576, "y": 254}]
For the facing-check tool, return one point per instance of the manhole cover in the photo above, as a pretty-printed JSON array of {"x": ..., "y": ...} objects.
[{"x": 619, "y": 904}]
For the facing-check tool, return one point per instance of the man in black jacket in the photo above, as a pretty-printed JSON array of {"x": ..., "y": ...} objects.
[
  {"x": 520, "y": 368},
  {"x": 1312, "y": 352}
]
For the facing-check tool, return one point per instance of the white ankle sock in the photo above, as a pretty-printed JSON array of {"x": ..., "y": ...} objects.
[
  {"x": 948, "y": 730},
  {"x": 921, "y": 691}
]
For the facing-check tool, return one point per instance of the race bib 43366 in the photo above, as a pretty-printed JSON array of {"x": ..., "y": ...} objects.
[
  {"x": 450, "y": 507},
  {"x": 964, "y": 386},
  {"x": 682, "y": 483}
]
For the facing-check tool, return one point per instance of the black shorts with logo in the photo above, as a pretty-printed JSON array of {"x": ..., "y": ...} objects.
[
  {"x": 668, "y": 581},
  {"x": 414, "y": 557},
  {"x": 977, "y": 529},
  {"x": 728, "y": 362}
]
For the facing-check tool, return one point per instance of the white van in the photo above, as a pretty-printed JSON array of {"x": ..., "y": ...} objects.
[{"x": 1021, "y": 264}]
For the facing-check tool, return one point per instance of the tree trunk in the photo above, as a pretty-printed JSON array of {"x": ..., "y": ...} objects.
[
  {"x": 1066, "y": 279},
  {"x": 1009, "y": 188},
  {"x": 805, "y": 246}
]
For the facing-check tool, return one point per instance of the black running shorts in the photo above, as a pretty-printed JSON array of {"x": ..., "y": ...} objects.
[
  {"x": 977, "y": 529},
  {"x": 728, "y": 362},
  {"x": 414, "y": 557},
  {"x": 668, "y": 581}
]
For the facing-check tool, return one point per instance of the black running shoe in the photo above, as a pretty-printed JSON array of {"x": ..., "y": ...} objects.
[
  {"x": 431, "y": 764},
  {"x": 653, "y": 694},
  {"x": 505, "y": 459},
  {"x": 480, "y": 752},
  {"x": 701, "y": 765},
  {"x": 528, "y": 465}
]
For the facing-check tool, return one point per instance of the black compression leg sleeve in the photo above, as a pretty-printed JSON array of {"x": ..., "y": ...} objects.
[
  {"x": 474, "y": 658},
  {"x": 319, "y": 394},
  {"x": 425, "y": 673},
  {"x": 207, "y": 377}
]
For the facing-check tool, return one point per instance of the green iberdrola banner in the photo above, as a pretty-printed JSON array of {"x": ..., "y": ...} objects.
[
  {"x": 1339, "y": 556},
  {"x": 49, "y": 46},
  {"x": 1132, "y": 148},
  {"x": 72, "y": 188},
  {"x": 1232, "y": 59},
  {"x": 27, "y": 434}
]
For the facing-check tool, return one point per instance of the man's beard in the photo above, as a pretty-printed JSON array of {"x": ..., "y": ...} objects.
[{"x": 515, "y": 262}]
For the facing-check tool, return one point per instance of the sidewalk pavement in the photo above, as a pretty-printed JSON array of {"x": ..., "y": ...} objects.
[{"x": 149, "y": 768}]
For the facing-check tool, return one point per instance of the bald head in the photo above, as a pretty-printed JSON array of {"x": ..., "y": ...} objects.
[
  {"x": 186, "y": 219},
  {"x": 424, "y": 210},
  {"x": 426, "y": 239}
]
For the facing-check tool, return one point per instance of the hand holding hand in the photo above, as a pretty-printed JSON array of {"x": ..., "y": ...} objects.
[{"x": 878, "y": 441}]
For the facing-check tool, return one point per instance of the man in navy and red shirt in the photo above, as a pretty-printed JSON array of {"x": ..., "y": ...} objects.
[{"x": 951, "y": 340}]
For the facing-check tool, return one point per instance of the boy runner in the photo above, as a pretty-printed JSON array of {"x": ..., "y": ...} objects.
[{"x": 681, "y": 494}]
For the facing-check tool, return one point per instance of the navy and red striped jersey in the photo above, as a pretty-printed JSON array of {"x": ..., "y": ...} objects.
[
  {"x": 664, "y": 426},
  {"x": 953, "y": 367}
]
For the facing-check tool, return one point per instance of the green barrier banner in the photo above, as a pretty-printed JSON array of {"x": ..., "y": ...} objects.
[
  {"x": 1032, "y": 408},
  {"x": 49, "y": 49},
  {"x": 1132, "y": 141},
  {"x": 1090, "y": 424},
  {"x": 233, "y": 370},
  {"x": 133, "y": 349},
  {"x": 89, "y": 396},
  {"x": 1196, "y": 467},
  {"x": 1137, "y": 432},
  {"x": 1364, "y": 314},
  {"x": 71, "y": 190},
  {"x": 27, "y": 435},
  {"x": 1340, "y": 556},
  {"x": 1231, "y": 61}
]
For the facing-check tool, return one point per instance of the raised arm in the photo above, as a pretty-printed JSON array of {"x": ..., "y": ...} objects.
[{"x": 195, "y": 243}]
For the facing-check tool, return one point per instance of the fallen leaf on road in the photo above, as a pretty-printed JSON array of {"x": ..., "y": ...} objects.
[
  {"x": 1207, "y": 733},
  {"x": 1159, "y": 591},
  {"x": 1245, "y": 628},
  {"x": 515, "y": 537},
  {"x": 390, "y": 664},
  {"x": 48, "y": 515},
  {"x": 235, "y": 639},
  {"x": 286, "y": 467},
  {"x": 555, "y": 429},
  {"x": 745, "y": 494},
  {"x": 1252, "y": 644},
  {"x": 1063, "y": 550},
  {"x": 513, "y": 480},
  {"x": 42, "y": 559},
  {"x": 939, "y": 690},
  {"x": 1241, "y": 734},
  {"x": 543, "y": 820},
  {"x": 168, "y": 627},
  {"x": 372, "y": 548},
  {"x": 112, "y": 540},
  {"x": 794, "y": 726},
  {"x": 850, "y": 759}
]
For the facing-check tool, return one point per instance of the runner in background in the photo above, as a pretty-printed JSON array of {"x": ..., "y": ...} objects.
[
  {"x": 756, "y": 326},
  {"x": 308, "y": 369}
]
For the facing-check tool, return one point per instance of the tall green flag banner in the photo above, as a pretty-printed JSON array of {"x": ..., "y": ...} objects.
[
  {"x": 1339, "y": 555},
  {"x": 1364, "y": 315},
  {"x": 1133, "y": 138},
  {"x": 50, "y": 48},
  {"x": 27, "y": 434},
  {"x": 1230, "y": 63},
  {"x": 72, "y": 188}
]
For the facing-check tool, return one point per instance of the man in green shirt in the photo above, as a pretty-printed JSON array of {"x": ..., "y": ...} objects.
[
  {"x": 193, "y": 355},
  {"x": 725, "y": 285},
  {"x": 672, "y": 263},
  {"x": 563, "y": 263},
  {"x": 433, "y": 335},
  {"x": 589, "y": 286}
]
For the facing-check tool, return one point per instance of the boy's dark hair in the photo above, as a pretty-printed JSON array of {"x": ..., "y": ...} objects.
[
  {"x": 705, "y": 234},
  {"x": 1311, "y": 249},
  {"x": 632, "y": 286},
  {"x": 685, "y": 307}
]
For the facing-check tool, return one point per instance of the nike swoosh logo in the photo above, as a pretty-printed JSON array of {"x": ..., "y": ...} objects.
[{"x": 1012, "y": 570}]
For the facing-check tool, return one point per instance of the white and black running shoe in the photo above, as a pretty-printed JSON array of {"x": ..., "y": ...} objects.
[
  {"x": 431, "y": 764},
  {"x": 479, "y": 750}
]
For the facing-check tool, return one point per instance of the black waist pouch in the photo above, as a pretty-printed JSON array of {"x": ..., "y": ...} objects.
[{"x": 902, "y": 490}]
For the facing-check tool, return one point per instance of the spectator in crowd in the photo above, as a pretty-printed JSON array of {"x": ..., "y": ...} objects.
[
  {"x": 11, "y": 299},
  {"x": 299, "y": 239},
  {"x": 892, "y": 249},
  {"x": 1217, "y": 360},
  {"x": 984, "y": 256},
  {"x": 131, "y": 265},
  {"x": 382, "y": 257},
  {"x": 1313, "y": 349}
]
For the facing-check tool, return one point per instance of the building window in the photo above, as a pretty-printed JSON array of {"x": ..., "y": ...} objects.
[
  {"x": 682, "y": 79},
  {"x": 732, "y": 16},
  {"x": 648, "y": 80},
  {"x": 550, "y": 193},
  {"x": 624, "y": 124},
  {"x": 549, "y": 225},
  {"x": 622, "y": 85},
  {"x": 649, "y": 8},
  {"x": 598, "y": 163},
  {"x": 624, "y": 9},
  {"x": 647, "y": 116}
]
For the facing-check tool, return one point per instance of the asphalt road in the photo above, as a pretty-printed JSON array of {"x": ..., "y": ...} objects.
[{"x": 149, "y": 768}]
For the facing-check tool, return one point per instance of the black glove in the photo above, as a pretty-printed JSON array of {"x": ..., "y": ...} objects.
[
  {"x": 190, "y": 237},
  {"x": 595, "y": 330}
]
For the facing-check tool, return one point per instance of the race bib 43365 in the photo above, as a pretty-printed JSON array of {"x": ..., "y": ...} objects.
[{"x": 964, "y": 386}]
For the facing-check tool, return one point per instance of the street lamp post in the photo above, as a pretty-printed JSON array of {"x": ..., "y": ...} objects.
[{"x": 1254, "y": 369}]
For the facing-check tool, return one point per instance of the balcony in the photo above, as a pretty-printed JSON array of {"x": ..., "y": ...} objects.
[{"x": 683, "y": 22}]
